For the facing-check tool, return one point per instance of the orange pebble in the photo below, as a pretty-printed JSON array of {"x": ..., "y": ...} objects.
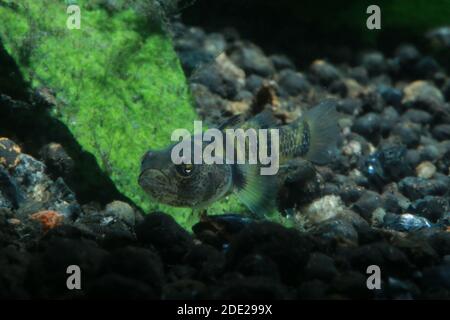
[{"x": 49, "y": 219}]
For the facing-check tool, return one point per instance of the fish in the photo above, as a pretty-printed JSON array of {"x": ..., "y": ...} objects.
[{"x": 313, "y": 136}]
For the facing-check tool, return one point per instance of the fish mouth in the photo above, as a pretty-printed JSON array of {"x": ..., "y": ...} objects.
[{"x": 155, "y": 181}]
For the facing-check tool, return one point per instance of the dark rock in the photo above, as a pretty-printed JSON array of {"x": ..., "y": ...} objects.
[
  {"x": 254, "y": 83},
  {"x": 426, "y": 67},
  {"x": 139, "y": 264},
  {"x": 191, "y": 60},
  {"x": 313, "y": 290},
  {"x": 417, "y": 116},
  {"x": 282, "y": 62},
  {"x": 408, "y": 133},
  {"x": 367, "y": 125},
  {"x": 429, "y": 152},
  {"x": 415, "y": 188},
  {"x": 441, "y": 132},
  {"x": 407, "y": 54},
  {"x": 413, "y": 158},
  {"x": 390, "y": 259},
  {"x": 215, "y": 44},
  {"x": 58, "y": 162},
  {"x": 47, "y": 273},
  {"x": 251, "y": 288},
  {"x": 115, "y": 286},
  {"x": 441, "y": 242},
  {"x": 185, "y": 289},
  {"x": 422, "y": 94},
  {"x": 324, "y": 72},
  {"x": 374, "y": 62},
  {"x": 351, "y": 285},
  {"x": 385, "y": 165},
  {"x": 257, "y": 265},
  {"x": 252, "y": 60},
  {"x": 210, "y": 105},
  {"x": 13, "y": 266},
  {"x": 360, "y": 74},
  {"x": 217, "y": 82},
  {"x": 337, "y": 229},
  {"x": 430, "y": 207},
  {"x": 320, "y": 266},
  {"x": 339, "y": 87},
  {"x": 394, "y": 202},
  {"x": 207, "y": 260},
  {"x": 244, "y": 95},
  {"x": 365, "y": 205},
  {"x": 301, "y": 185},
  {"x": 401, "y": 289},
  {"x": 293, "y": 83},
  {"x": 11, "y": 196},
  {"x": 391, "y": 96},
  {"x": 349, "y": 106},
  {"x": 287, "y": 248},
  {"x": 446, "y": 91},
  {"x": 123, "y": 211},
  {"x": 438, "y": 276},
  {"x": 389, "y": 117},
  {"x": 161, "y": 231},
  {"x": 350, "y": 192},
  {"x": 418, "y": 249},
  {"x": 439, "y": 37},
  {"x": 372, "y": 101},
  {"x": 217, "y": 230}
]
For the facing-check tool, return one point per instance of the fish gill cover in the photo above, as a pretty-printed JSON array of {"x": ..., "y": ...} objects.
[{"x": 117, "y": 81}]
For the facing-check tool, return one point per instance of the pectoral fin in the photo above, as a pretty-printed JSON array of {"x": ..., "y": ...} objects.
[{"x": 258, "y": 192}]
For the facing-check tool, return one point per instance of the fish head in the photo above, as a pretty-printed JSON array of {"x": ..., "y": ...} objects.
[{"x": 185, "y": 184}]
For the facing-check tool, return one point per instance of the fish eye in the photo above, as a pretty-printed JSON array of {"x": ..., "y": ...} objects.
[{"x": 185, "y": 169}]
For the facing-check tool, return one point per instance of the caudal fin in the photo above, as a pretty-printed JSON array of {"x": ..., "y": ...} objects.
[{"x": 324, "y": 131}]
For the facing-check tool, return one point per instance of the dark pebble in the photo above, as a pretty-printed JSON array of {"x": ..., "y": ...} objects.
[
  {"x": 415, "y": 188},
  {"x": 161, "y": 231},
  {"x": 287, "y": 248},
  {"x": 140, "y": 264},
  {"x": 426, "y": 67},
  {"x": 349, "y": 106},
  {"x": 367, "y": 125},
  {"x": 282, "y": 62},
  {"x": 254, "y": 83},
  {"x": 441, "y": 132},
  {"x": 408, "y": 133},
  {"x": 391, "y": 96},
  {"x": 293, "y": 82},
  {"x": 115, "y": 286},
  {"x": 320, "y": 266},
  {"x": 417, "y": 116},
  {"x": 251, "y": 288},
  {"x": 374, "y": 62},
  {"x": 430, "y": 207},
  {"x": 313, "y": 290},
  {"x": 351, "y": 284},
  {"x": 324, "y": 72},
  {"x": 252, "y": 60}
]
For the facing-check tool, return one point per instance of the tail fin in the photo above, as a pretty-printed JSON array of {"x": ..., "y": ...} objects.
[{"x": 322, "y": 121}]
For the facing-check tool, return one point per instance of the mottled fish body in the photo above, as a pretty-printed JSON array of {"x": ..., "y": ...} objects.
[{"x": 312, "y": 136}]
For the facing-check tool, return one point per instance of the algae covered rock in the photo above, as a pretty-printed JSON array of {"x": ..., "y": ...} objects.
[{"x": 117, "y": 82}]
